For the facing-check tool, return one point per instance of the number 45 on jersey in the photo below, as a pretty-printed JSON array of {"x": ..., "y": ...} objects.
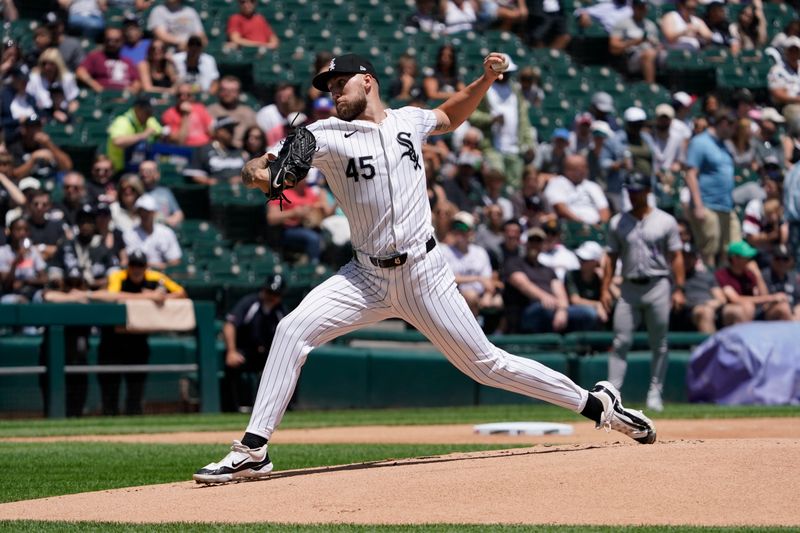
[{"x": 360, "y": 168}]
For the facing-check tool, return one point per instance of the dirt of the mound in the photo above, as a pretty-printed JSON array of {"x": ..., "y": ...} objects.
[
  {"x": 712, "y": 482},
  {"x": 701, "y": 472}
]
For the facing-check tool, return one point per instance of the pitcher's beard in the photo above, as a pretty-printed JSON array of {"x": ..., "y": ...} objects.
[{"x": 348, "y": 111}]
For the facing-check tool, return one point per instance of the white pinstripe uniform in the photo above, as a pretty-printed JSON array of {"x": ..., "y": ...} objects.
[{"x": 375, "y": 172}]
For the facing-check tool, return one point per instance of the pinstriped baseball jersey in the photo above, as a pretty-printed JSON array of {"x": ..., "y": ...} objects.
[{"x": 376, "y": 173}]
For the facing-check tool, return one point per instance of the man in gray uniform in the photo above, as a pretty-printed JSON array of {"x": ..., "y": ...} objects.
[{"x": 647, "y": 242}]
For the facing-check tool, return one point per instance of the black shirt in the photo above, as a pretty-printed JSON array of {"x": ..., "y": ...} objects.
[
  {"x": 415, "y": 92},
  {"x": 589, "y": 290},
  {"x": 467, "y": 200},
  {"x": 95, "y": 190},
  {"x": 216, "y": 161},
  {"x": 539, "y": 275},
  {"x": 5, "y": 205},
  {"x": 51, "y": 232},
  {"x": 789, "y": 285},
  {"x": 255, "y": 328},
  {"x": 118, "y": 245},
  {"x": 43, "y": 169},
  {"x": 93, "y": 260},
  {"x": 65, "y": 213}
]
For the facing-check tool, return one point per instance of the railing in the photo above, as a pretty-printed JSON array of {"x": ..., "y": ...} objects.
[{"x": 56, "y": 316}]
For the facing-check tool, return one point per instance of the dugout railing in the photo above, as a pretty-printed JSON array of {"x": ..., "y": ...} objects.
[{"x": 54, "y": 317}]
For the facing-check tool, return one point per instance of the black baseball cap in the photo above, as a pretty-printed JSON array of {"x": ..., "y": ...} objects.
[
  {"x": 102, "y": 208},
  {"x": 274, "y": 283},
  {"x": 636, "y": 181},
  {"x": 144, "y": 102},
  {"x": 130, "y": 18},
  {"x": 343, "y": 64},
  {"x": 137, "y": 258},
  {"x": 86, "y": 211}
]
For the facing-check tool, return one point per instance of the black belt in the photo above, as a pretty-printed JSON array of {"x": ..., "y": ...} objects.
[
  {"x": 643, "y": 281},
  {"x": 397, "y": 260}
]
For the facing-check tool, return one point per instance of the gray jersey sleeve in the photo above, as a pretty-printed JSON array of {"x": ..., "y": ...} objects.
[{"x": 674, "y": 242}]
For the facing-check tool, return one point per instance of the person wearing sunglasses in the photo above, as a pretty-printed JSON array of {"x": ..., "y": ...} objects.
[
  {"x": 106, "y": 68},
  {"x": 72, "y": 200}
]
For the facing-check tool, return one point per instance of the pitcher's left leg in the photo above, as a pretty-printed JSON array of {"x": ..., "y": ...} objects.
[{"x": 429, "y": 300}]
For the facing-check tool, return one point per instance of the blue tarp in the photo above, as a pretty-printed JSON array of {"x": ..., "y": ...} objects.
[{"x": 753, "y": 363}]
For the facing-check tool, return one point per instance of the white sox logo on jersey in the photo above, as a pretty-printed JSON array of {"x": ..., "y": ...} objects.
[{"x": 404, "y": 138}]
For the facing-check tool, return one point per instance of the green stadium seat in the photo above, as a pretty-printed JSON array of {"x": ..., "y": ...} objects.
[{"x": 574, "y": 233}]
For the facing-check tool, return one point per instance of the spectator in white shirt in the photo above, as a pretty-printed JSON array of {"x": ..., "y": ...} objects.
[
  {"x": 503, "y": 117},
  {"x": 157, "y": 241},
  {"x": 573, "y": 197},
  {"x": 169, "y": 211},
  {"x": 49, "y": 70},
  {"x": 607, "y": 14},
  {"x": 783, "y": 80},
  {"x": 471, "y": 265},
  {"x": 196, "y": 67},
  {"x": 554, "y": 254},
  {"x": 683, "y": 30},
  {"x": 637, "y": 38},
  {"x": 669, "y": 147},
  {"x": 174, "y": 23},
  {"x": 683, "y": 123},
  {"x": 273, "y": 118},
  {"x": 459, "y": 15},
  {"x": 494, "y": 192}
]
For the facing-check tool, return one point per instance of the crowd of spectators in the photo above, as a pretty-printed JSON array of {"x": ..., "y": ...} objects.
[{"x": 507, "y": 201}]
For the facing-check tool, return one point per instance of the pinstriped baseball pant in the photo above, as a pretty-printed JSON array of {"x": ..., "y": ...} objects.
[{"x": 423, "y": 293}]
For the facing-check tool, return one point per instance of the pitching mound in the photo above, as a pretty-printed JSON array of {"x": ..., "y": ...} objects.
[{"x": 712, "y": 482}]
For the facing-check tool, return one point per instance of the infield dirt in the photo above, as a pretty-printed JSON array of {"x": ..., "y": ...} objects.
[{"x": 701, "y": 472}]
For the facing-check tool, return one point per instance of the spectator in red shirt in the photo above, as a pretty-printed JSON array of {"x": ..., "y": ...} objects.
[
  {"x": 301, "y": 219},
  {"x": 745, "y": 290},
  {"x": 248, "y": 28},
  {"x": 105, "y": 68},
  {"x": 189, "y": 122}
]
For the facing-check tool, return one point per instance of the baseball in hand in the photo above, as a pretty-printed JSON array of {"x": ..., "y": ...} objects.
[{"x": 503, "y": 65}]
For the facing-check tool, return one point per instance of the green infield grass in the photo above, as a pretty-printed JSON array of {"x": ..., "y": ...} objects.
[
  {"x": 74, "y": 467},
  {"x": 356, "y": 417}
]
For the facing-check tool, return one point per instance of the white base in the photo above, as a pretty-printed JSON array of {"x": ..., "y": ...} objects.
[{"x": 523, "y": 428}]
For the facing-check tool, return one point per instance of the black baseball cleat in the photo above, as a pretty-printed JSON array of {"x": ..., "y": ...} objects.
[
  {"x": 241, "y": 463},
  {"x": 631, "y": 422}
]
